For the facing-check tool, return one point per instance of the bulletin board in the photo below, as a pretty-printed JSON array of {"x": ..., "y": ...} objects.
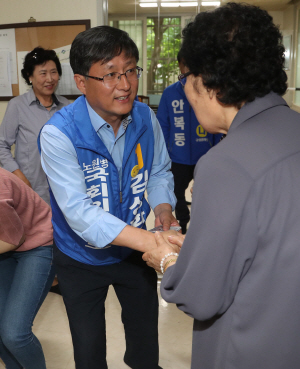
[{"x": 49, "y": 35}]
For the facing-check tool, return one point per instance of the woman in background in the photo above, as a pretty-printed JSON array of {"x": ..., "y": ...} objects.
[
  {"x": 25, "y": 116},
  {"x": 26, "y": 270},
  {"x": 238, "y": 271}
]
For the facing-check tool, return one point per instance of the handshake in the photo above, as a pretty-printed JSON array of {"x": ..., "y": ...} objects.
[
  {"x": 168, "y": 247},
  {"x": 173, "y": 236}
]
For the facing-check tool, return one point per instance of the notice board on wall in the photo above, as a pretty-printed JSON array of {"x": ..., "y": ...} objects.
[{"x": 16, "y": 40}]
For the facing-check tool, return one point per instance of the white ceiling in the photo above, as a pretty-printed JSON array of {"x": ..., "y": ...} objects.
[{"x": 128, "y": 7}]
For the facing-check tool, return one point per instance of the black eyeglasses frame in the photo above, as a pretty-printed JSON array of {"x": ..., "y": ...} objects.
[
  {"x": 120, "y": 75},
  {"x": 182, "y": 77}
]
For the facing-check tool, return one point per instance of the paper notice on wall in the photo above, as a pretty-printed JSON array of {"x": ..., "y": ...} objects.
[
  {"x": 8, "y": 43},
  {"x": 67, "y": 85},
  {"x": 63, "y": 53},
  {"x": 5, "y": 75},
  {"x": 23, "y": 87}
]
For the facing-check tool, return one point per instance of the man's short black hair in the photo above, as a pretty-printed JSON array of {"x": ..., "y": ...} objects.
[
  {"x": 38, "y": 56},
  {"x": 238, "y": 52},
  {"x": 102, "y": 44}
]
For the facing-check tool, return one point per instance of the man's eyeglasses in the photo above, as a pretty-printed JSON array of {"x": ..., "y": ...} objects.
[
  {"x": 112, "y": 79},
  {"x": 182, "y": 77}
]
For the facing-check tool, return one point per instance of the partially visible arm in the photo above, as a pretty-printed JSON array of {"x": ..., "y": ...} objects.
[
  {"x": 163, "y": 216},
  {"x": 5, "y": 246},
  {"x": 136, "y": 239},
  {"x": 144, "y": 241},
  {"x": 220, "y": 244},
  {"x": 11, "y": 228},
  {"x": 8, "y": 135},
  {"x": 160, "y": 187},
  {"x": 163, "y": 117},
  {"x": 22, "y": 176}
]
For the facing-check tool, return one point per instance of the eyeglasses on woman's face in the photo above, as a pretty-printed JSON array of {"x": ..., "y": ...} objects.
[
  {"x": 112, "y": 79},
  {"x": 182, "y": 77}
]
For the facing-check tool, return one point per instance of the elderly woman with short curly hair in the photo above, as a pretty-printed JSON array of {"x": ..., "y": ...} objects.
[{"x": 237, "y": 273}]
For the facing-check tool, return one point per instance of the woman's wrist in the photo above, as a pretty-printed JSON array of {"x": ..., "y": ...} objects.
[
  {"x": 167, "y": 260},
  {"x": 169, "y": 263}
]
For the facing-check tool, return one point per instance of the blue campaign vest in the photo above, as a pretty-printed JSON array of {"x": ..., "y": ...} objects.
[
  {"x": 102, "y": 179},
  {"x": 185, "y": 138}
]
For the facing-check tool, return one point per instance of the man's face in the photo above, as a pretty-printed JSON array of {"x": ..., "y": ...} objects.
[{"x": 111, "y": 103}]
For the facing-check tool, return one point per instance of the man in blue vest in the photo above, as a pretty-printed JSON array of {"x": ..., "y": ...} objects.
[
  {"x": 100, "y": 155},
  {"x": 186, "y": 141}
]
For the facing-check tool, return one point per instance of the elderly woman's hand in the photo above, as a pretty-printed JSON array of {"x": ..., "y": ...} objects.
[
  {"x": 153, "y": 258},
  {"x": 170, "y": 234},
  {"x": 176, "y": 239}
]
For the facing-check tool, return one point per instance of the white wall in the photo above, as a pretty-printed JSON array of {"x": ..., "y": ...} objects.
[
  {"x": 289, "y": 26},
  {"x": 286, "y": 20},
  {"x": 18, "y": 11},
  {"x": 277, "y": 18}
]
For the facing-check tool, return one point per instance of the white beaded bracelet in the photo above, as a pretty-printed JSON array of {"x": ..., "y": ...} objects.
[{"x": 164, "y": 258}]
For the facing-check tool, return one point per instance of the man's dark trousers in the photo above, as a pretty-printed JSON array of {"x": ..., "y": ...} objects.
[{"x": 84, "y": 289}]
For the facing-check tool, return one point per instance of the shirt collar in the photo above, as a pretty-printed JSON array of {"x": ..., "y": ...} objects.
[
  {"x": 260, "y": 104},
  {"x": 33, "y": 98},
  {"x": 98, "y": 122}
]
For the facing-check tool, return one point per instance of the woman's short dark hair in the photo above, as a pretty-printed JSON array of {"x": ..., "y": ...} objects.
[
  {"x": 38, "y": 56},
  {"x": 101, "y": 43},
  {"x": 180, "y": 57},
  {"x": 238, "y": 52}
]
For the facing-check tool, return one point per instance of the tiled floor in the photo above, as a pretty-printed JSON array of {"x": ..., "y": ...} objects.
[{"x": 52, "y": 329}]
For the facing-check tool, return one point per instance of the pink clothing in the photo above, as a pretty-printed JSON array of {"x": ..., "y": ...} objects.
[{"x": 23, "y": 211}]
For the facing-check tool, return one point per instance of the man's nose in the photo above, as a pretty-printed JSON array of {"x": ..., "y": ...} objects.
[{"x": 123, "y": 82}]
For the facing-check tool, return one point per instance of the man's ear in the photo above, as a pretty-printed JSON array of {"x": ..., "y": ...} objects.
[{"x": 80, "y": 83}]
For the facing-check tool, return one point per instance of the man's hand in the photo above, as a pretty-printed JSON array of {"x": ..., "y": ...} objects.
[
  {"x": 154, "y": 257},
  {"x": 163, "y": 216}
]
